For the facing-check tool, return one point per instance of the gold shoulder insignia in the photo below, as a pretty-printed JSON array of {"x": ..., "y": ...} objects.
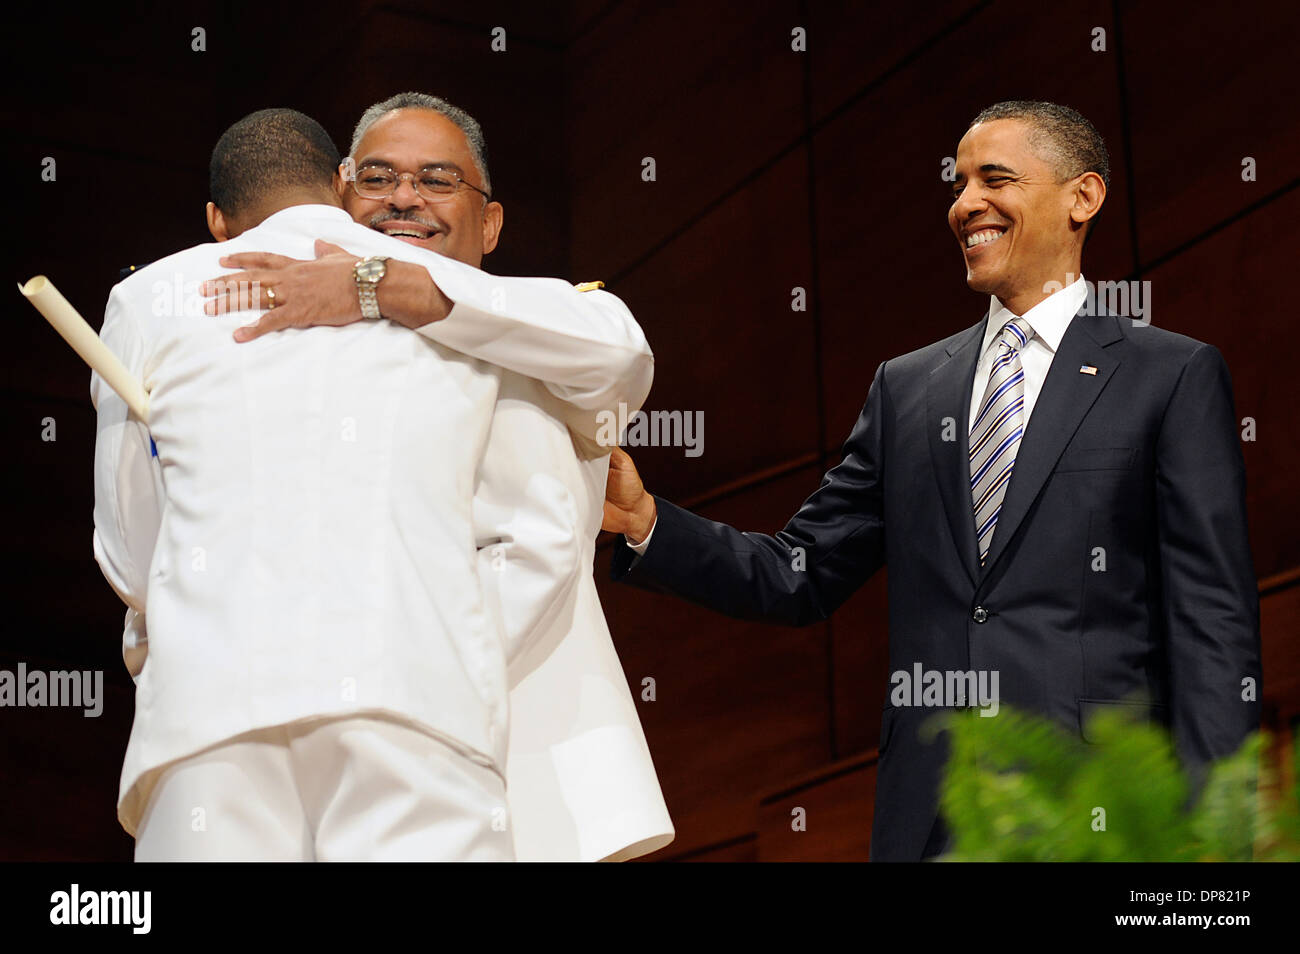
[{"x": 589, "y": 286}]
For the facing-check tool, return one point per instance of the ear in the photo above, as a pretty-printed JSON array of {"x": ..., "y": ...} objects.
[
  {"x": 340, "y": 177},
  {"x": 1089, "y": 194},
  {"x": 493, "y": 214},
  {"x": 217, "y": 223}
]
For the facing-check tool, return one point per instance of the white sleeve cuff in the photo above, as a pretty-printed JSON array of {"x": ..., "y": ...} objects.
[{"x": 640, "y": 548}]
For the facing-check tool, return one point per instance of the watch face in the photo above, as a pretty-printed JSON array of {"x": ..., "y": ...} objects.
[{"x": 371, "y": 271}]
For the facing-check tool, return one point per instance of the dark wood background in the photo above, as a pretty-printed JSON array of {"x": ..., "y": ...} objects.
[{"x": 775, "y": 169}]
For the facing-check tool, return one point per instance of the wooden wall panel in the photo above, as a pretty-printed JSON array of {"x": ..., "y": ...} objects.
[
  {"x": 711, "y": 91},
  {"x": 860, "y": 657},
  {"x": 1279, "y": 620},
  {"x": 122, "y": 85},
  {"x": 834, "y": 807},
  {"x": 741, "y": 707},
  {"x": 1224, "y": 290},
  {"x": 547, "y": 24},
  {"x": 1208, "y": 86},
  {"x": 853, "y": 44},
  {"x": 61, "y": 771},
  {"x": 742, "y": 849},
  {"x": 85, "y": 273},
  {"x": 61, "y": 606},
  {"x": 516, "y": 96},
  {"x": 716, "y": 309},
  {"x": 891, "y": 273}
]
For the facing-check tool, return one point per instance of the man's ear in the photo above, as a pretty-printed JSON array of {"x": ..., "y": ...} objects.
[
  {"x": 493, "y": 214},
  {"x": 217, "y": 223},
  {"x": 340, "y": 182},
  {"x": 1089, "y": 194}
]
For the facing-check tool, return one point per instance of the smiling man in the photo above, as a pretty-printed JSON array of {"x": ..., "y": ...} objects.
[
  {"x": 1081, "y": 533},
  {"x": 1016, "y": 167},
  {"x": 389, "y": 139},
  {"x": 582, "y": 785},
  {"x": 405, "y": 175}
]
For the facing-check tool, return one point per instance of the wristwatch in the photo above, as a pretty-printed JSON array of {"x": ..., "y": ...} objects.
[{"x": 368, "y": 273}]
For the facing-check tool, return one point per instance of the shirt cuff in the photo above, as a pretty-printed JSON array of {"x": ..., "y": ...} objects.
[{"x": 640, "y": 548}]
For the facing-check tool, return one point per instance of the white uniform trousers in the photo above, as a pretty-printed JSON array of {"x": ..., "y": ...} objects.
[{"x": 333, "y": 789}]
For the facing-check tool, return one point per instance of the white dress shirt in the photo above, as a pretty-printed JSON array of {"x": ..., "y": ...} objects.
[
  {"x": 1049, "y": 319},
  {"x": 304, "y": 544}
]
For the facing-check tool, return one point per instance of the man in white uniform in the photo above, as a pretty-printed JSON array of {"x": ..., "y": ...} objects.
[
  {"x": 322, "y": 677},
  {"x": 582, "y": 785}
]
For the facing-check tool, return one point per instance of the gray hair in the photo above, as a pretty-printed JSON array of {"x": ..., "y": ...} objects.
[{"x": 463, "y": 120}]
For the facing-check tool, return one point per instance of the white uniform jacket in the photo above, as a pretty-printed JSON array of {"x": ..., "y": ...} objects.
[
  {"x": 304, "y": 543},
  {"x": 581, "y": 782}
]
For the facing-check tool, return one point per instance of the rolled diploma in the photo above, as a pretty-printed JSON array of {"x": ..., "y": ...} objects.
[{"x": 40, "y": 291}]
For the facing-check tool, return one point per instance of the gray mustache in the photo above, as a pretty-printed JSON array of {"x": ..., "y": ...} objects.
[{"x": 383, "y": 217}]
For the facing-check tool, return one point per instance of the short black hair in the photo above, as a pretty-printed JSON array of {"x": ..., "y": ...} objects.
[
  {"x": 1068, "y": 140},
  {"x": 266, "y": 152}
]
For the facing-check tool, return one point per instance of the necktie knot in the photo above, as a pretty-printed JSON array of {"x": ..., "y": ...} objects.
[{"x": 1015, "y": 334}]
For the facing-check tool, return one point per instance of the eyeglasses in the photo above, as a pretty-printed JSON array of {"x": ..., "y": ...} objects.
[{"x": 431, "y": 182}]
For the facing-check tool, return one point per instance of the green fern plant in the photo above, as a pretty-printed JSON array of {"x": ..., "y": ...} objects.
[{"x": 1020, "y": 788}]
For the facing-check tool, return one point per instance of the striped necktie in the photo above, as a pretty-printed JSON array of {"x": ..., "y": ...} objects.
[{"x": 995, "y": 437}]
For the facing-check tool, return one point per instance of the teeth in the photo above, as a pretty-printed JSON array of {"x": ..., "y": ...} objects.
[
  {"x": 407, "y": 232},
  {"x": 982, "y": 237}
]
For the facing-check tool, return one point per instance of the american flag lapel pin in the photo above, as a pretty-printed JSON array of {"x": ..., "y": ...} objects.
[{"x": 1087, "y": 369}]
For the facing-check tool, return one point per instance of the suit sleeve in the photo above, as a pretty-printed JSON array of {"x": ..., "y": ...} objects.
[
  {"x": 128, "y": 501},
  {"x": 584, "y": 346},
  {"x": 526, "y": 527},
  {"x": 797, "y": 576},
  {"x": 1210, "y": 596}
]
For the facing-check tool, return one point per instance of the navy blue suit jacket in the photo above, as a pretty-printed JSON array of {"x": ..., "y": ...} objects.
[{"x": 1140, "y": 459}]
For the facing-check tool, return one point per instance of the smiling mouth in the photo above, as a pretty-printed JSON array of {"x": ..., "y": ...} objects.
[
  {"x": 983, "y": 237},
  {"x": 409, "y": 232}
]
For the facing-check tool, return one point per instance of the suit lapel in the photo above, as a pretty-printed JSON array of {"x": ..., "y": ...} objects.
[
  {"x": 1064, "y": 401},
  {"x": 948, "y": 395}
]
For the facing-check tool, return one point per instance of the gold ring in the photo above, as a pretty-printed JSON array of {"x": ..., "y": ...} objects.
[{"x": 270, "y": 295}]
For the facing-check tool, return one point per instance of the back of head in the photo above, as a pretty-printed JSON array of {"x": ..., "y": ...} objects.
[{"x": 269, "y": 160}]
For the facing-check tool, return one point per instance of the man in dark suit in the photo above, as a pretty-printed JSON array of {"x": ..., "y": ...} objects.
[{"x": 1058, "y": 493}]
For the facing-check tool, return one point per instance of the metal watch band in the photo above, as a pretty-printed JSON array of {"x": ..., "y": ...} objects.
[{"x": 367, "y": 294}]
